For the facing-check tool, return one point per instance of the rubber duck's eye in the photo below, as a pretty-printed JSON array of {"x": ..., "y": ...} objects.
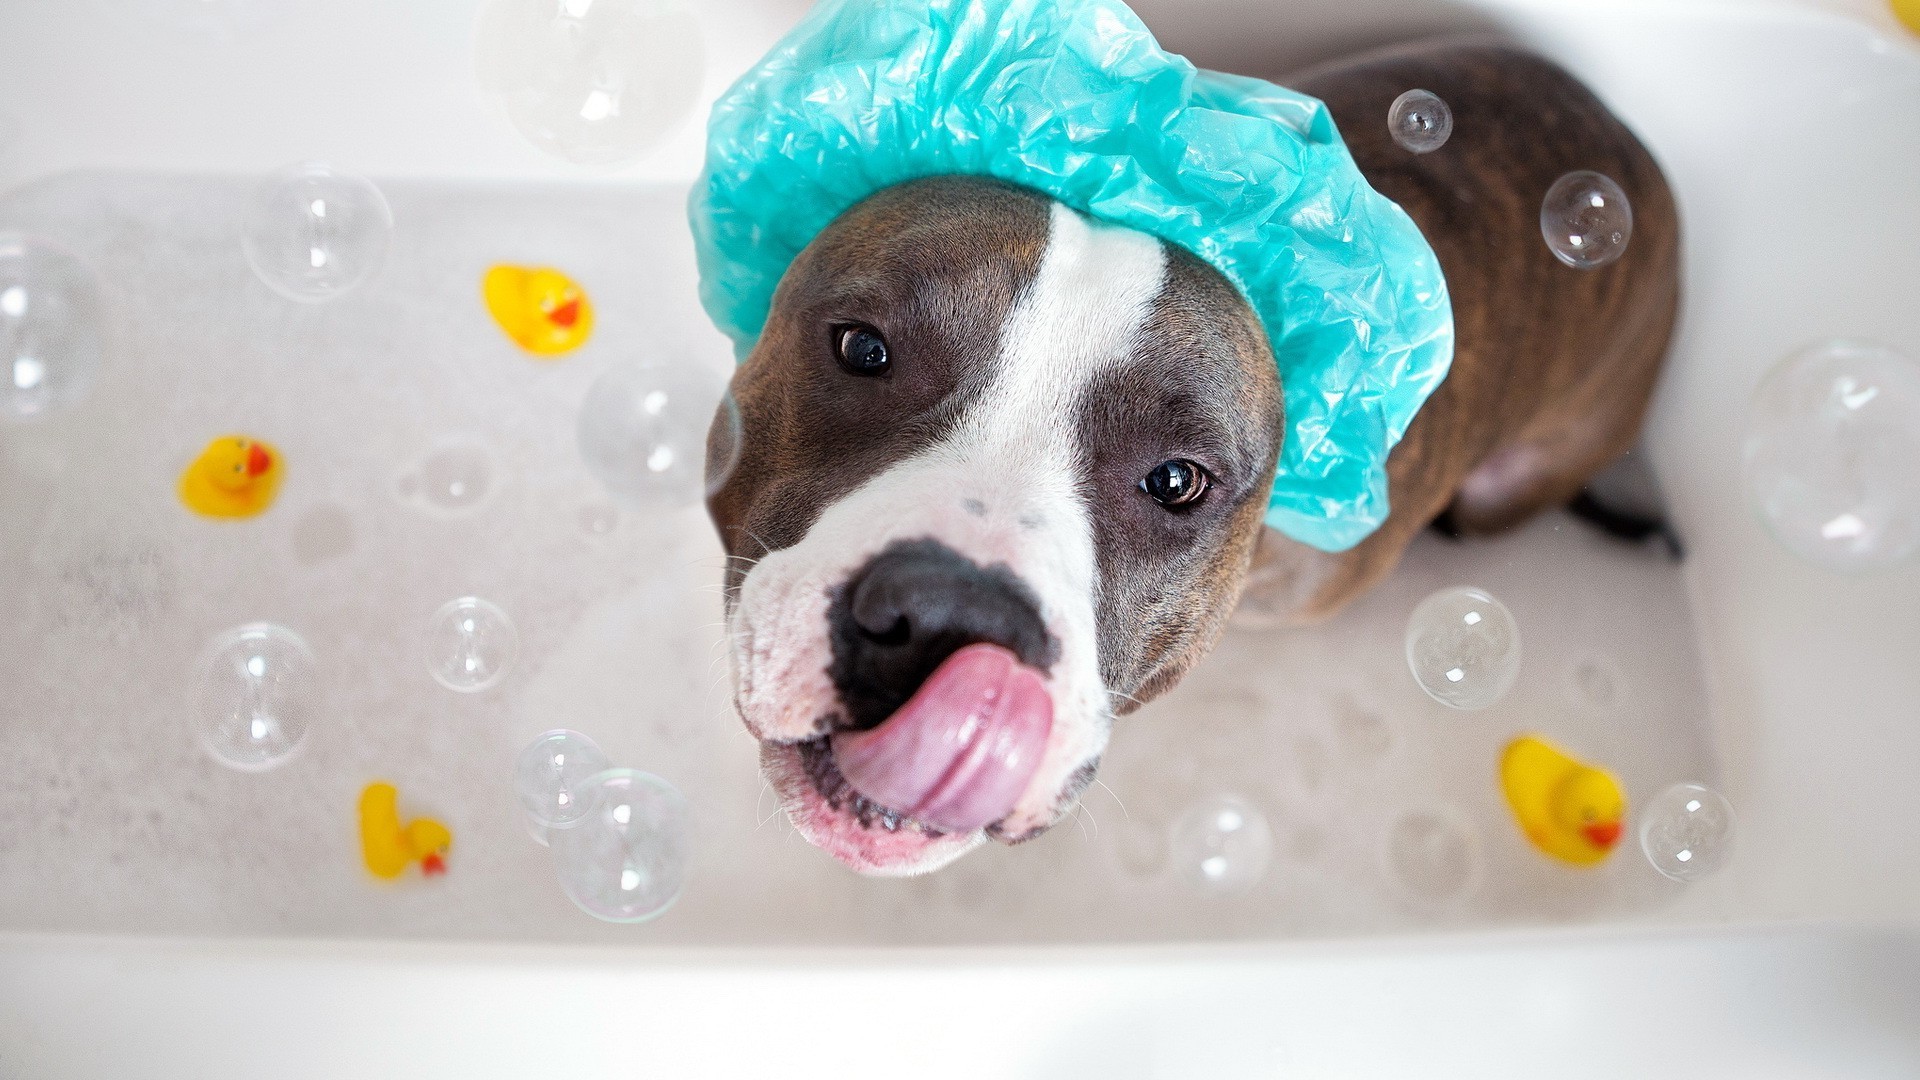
[
  {"x": 1587, "y": 815},
  {"x": 861, "y": 350},
  {"x": 1177, "y": 484},
  {"x": 239, "y": 468}
]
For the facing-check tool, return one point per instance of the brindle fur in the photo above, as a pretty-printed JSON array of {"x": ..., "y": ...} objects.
[{"x": 1553, "y": 367}]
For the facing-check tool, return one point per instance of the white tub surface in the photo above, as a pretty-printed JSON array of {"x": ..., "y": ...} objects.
[{"x": 1789, "y": 133}]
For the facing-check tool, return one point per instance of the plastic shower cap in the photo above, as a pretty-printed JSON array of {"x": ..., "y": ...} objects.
[{"x": 1074, "y": 98}]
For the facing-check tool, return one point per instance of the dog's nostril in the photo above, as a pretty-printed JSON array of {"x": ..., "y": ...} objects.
[{"x": 895, "y": 633}]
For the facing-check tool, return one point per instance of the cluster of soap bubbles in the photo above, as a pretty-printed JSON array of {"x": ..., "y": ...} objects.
[
  {"x": 313, "y": 234},
  {"x": 595, "y": 82},
  {"x": 52, "y": 326},
  {"x": 619, "y": 837},
  {"x": 659, "y": 434},
  {"x": 1832, "y": 455},
  {"x": 1463, "y": 648},
  {"x": 1585, "y": 217}
]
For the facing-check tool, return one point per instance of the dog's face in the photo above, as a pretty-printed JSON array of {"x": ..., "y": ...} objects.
[{"x": 1001, "y": 475}]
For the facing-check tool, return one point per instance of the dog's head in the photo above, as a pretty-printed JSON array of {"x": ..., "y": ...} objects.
[{"x": 1001, "y": 476}]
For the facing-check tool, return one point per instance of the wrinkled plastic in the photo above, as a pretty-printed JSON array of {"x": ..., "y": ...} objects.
[{"x": 1076, "y": 99}]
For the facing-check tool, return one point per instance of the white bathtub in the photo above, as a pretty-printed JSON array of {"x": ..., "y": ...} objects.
[{"x": 1789, "y": 132}]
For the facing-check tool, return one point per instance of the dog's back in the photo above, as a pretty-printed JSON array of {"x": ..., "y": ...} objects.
[{"x": 1553, "y": 366}]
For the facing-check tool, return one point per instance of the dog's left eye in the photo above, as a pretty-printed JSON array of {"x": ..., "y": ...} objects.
[
  {"x": 1176, "y": 484},
  {"x": 861, "y": 350}
]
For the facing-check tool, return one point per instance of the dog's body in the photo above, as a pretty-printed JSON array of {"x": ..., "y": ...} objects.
[{"x": 1004, "y": 468}]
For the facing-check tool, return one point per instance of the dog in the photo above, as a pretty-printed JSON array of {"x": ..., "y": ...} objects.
[{"x": 1003, "y": 467}]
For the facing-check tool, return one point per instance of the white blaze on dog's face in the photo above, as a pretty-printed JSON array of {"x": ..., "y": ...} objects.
[{"x": 1001, "y": 476}]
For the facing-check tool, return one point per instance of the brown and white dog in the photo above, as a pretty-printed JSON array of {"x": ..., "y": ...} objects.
[{"x": 1004, "y": 467}]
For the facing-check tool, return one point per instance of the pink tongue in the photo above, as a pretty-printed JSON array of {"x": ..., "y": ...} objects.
[{"x": 959, "y": 753}]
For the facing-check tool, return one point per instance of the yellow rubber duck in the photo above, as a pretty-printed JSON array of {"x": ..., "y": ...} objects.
[
  {"x": 1908, "y": 12},
  {"x": 236, "y": 476},
  {"x": 387, "y": 846},
  {"x": 1568, "y": 809},
  {"x": 540, "y": 308}
]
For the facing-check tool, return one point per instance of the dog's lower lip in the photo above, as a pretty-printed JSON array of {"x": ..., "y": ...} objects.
[{"x": 816, "y": 758}]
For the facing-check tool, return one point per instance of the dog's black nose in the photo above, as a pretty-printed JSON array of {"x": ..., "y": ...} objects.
[{"x": 912, "y": 606}]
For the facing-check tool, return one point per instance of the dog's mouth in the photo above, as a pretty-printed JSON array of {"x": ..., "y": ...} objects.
[{"x": 955, "y": 759}]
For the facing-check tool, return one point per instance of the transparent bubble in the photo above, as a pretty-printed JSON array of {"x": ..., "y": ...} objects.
[
  {"x": 645, "y": 430},
  {"x": 1463, "y": 648},
  {"x": 1222, "y": 843},
  {"x": 626, "y": 859},
  {"x": 599, "y": 519},
  {"x": 1433, "y": 857},
  {"x": 1687, "y": 831},
  {"x": 1586, "y": 220},
  {"x": 313, "y": 234},
  {"x": 1832, "y": 455},
  {"x": 549, "y": 774},
  {"x": 1420, "y": 121},
  {"x": 51, "y": 319},
  {"x": 258, "y": 694},
  {"x": 471, "y": 643},
  {"x": 455, "y": 479},
  {"x": 593, "y": 82}
]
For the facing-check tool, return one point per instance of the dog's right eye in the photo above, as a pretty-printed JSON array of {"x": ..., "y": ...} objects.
[{"x": 861, "y": 350}]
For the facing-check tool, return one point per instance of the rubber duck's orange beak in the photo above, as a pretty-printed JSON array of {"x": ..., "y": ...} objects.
[
  {"x": 1604, "y": 834},
  {"x": 566, "y": 314},
  {"x": 433, "y": 865},
  {"x": 258, "y": 460}
]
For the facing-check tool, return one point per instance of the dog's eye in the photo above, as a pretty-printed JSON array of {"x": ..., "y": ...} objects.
[
  {"x": 861, "y": 350},
  {"x": 1176, "y": 483}
]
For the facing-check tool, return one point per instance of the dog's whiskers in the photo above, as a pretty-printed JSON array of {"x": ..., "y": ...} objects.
[{"x": 1115, "y": 796}]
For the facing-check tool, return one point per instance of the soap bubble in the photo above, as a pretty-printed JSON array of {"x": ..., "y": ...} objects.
[
  {"x": 1433, "y": 857},
  {"x": 1832, "y": 455},
  {"x": 593, "y": 82},
  {"x": 312, "y": 234},
  {"x": 471, "y": 644},
  {"x": 1586, "y": 220},
  {"x": 550, "y": 773},
  {"x": 1222, "y": 843},
  {"x": 1463, "y": 648},
  {"x": 1687, "y": 831},
  {"x": 455, "y": 479},
  {"x": 645, "y": 431},
  {"x": 626, "y": 859},
  {"x": 1420, "y": 121},
  {"x": 51, "y": 320},
  {"x": 258, "y": 694}
]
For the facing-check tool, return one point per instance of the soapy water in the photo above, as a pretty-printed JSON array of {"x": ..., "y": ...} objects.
[
  {"x": 625, "y": 859},
  {"x": 1420, "y": 121},
  {"x": 594, "y": 82},
  {"x": 1222, "y": 843},
  {"x": 550, "y": 774},
  {"x": 52, "y": 328},
  {"x": 1686, "y": 831},
  {"x": 1463, "y": 648},
  {"x": 653, "y": 435},
  {"x": 312, "y": 234},
  {"x": 1832, "y": 455},
  {"x": 1586, "y": 220},
  {"x": 1433, "y": 857},
  {"x": 258, "y": 694},
  {"x": 470, "y": 644},
  {"x": 449, "y": 481}
]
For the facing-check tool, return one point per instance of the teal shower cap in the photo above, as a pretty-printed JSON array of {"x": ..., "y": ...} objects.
[{"x": 1074, "y": 98}]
